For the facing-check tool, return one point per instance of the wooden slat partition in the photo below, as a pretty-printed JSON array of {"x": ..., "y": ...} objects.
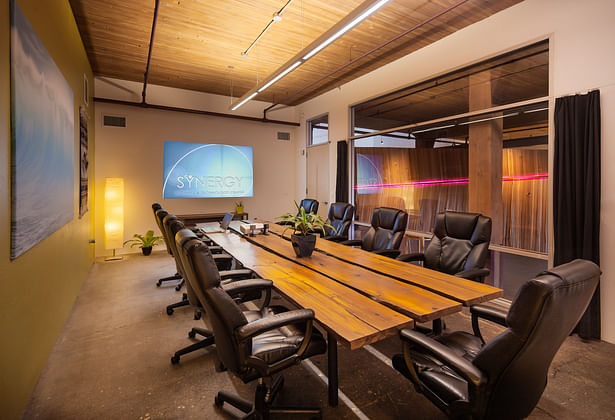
[
  {"x": 352, "y": 318},
  {"x": 417, "y": 303},
  {"x": 465, "y": 291}
]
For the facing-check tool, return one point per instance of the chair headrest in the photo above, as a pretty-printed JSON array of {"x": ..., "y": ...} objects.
[
  {"x": 469, "y": 226},
  {"x": 340, "y": 211},
  {"x": 156, "y": 206},
  {"x": 309, "y": 204},
  {"x": 567, "y": 286},
  {"x": 184, "y": 235},
  {"x": 389, "y": 218}
]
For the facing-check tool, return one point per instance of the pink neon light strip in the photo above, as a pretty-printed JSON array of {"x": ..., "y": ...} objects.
[{"x": 452, "y": 181}]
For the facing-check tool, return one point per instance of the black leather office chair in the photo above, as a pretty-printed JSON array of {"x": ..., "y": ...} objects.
[
  {"x": 385, "y": 234},
  {"x": 340, "y": 217},
  {"x": 175, "y": 227},
  {"x": 310, "y": 205},
  {"x": 224, "y": 261},
  {"x": 155, "y": 208},
  {"x": 460, "y": 245},
  {"x": 504, "y": 378},
  {"x": 252, "y": 349}
]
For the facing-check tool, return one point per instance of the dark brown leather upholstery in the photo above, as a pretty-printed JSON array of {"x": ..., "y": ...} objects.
[
  {"x": 504, "y": 378},
  {"x": 310, "y": 205},
  {"x": 387, "y": 230},
  {"x": 460, "y": 245},
  {"x": 340, "y": 217}
]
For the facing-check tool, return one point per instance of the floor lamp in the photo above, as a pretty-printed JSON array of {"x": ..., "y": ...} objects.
[{"x": 114, "y": 215}]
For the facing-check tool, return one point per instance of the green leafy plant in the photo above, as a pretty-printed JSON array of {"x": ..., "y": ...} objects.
[
  {"x": 304, "y": 223},
  {"x": 144, "y": 241},
  {"x": 239, "y": 204}
]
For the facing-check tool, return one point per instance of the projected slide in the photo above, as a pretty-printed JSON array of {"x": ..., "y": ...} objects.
[{"x": 196, "y": 170}]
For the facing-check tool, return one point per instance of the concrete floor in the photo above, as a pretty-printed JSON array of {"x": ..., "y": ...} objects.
[{"x": 112, "y": 361}]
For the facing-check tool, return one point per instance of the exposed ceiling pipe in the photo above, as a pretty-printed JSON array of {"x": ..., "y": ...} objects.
[
  {"x": 149, "y": 54},
  {"x": 395, "y": 38},
  {"x": 195, "y": 111}
]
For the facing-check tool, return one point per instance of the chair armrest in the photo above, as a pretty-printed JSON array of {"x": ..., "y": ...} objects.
[
  {"x": 272, "y": 322},
  {"x": 476, "y": 274},
  {"x": 236, "y": 274},
  {"x": 391, "y": 253},
  {"x": 317, "y": 231},
  {"x": 415, "y": 256},
  {"x": 243, "y": 290},
  {"x": 489, "y": 313},
  {"x": 352, "y": 242},
  {"x": 335, "y": 238},
  {"x": 459, "y": 364},
  {"x": 215, "y": 249},
  {"x": 223, "y": 261}
]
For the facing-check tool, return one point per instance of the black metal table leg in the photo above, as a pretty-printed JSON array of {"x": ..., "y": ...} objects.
[{"x": 332, "y": 369}]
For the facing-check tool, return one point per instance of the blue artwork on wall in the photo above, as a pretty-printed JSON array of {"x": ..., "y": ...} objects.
[{"x": 42, "y": 140}]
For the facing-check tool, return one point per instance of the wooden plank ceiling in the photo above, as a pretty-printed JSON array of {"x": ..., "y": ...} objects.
[{"x": 198, "y": 43}]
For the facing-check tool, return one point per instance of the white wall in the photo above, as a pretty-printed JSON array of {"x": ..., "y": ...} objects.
[
  {"x": 135, "y": 153},
  {"x": 582, "y": 58}
]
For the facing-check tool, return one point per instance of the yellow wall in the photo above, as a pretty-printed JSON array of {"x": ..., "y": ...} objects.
[{"x": 39, "y": 288}]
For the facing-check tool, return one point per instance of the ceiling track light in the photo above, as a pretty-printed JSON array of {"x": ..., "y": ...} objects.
[
  {"x": 277, "y": 16},
  {"x": 355, "y": 17}
]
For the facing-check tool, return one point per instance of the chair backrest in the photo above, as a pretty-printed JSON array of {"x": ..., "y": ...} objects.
[
  {"x": 160, "y": 214},
  {"x": 340, "y": 217},
  {"x": 460, "y": 242},
  {"x": 542, "y": 315},
  {"x": 310, "y": 205},
  {"x": 223, "y": 314},
  {"x": 181, "y": 237},
  {"x": 169, "y": 237},
  {"x": 387, "y": 230}
]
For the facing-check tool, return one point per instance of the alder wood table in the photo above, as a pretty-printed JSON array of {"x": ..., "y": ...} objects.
[
  {"x": 346, "y": 315},
  {"x": 467, "y": 292}
]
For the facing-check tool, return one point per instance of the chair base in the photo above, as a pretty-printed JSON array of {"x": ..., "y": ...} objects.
[
  {"x": 175, "y": 276},
  {"x": 206, "y": 342},
  {"x": 263, "y": 398},
  {"x": 183, "y": 302}
]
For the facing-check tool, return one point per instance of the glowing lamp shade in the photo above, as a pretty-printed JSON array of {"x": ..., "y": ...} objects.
[{"x": 114, "y": 213}]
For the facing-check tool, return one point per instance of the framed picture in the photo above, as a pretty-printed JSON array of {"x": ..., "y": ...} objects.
[{"x": 42, "y": 140}]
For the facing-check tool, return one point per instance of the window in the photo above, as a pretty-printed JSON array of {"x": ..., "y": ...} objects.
[
  {"x": 318, "y": 130},
  {"x": 429, "y": 147}
]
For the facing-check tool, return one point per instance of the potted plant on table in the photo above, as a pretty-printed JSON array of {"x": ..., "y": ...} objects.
[
  {"x": 239, "y": 207},
  {"x": 303, "y": 225},
  {"x": 145, "y": 242}
]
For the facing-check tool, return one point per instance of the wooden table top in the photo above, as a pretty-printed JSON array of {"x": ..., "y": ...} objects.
[
  {"x": 467, "y": 292},
  {"x": 351, "y": 317},
  {"x": 418, "y": 303}
]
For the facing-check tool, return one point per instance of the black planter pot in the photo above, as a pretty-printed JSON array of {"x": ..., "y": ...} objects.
[
  {"x": 146, "y": 250},
  {"x": 303, "y": 245}
]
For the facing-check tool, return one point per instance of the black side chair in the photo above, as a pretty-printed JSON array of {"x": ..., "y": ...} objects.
[
  {"x": 385, "y": 234},
  {"x": 156, "y": 207},
  {"x": 340, "y": 217},
  {"x": 176, "y": 226},
  {"x": 504, "y": 378},
  {"x": 257, "y": 349},
  {"x": 460, "y": 245},
  {"x": 310, "y": 205}
]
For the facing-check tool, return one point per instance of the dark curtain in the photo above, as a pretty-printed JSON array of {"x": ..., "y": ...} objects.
[
  {"x": 341, "y": 183},
  {"x": 576, "y": 190}
]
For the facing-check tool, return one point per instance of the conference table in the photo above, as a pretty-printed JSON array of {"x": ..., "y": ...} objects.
[{"x": 358, "y": 298}]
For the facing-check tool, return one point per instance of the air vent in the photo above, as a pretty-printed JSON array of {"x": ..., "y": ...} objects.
[
  {"x": 114, "y": 121},
  {"x": 283, "y": 136}
]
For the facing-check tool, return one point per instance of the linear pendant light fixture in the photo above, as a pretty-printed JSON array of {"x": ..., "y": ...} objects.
[{"x": 355, "y": 17}]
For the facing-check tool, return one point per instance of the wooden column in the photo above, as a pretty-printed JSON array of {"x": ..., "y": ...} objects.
[{"x": 485, "y": 157}]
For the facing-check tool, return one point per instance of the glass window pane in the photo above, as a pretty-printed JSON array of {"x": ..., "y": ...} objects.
[{"x": 318, "y": 130}]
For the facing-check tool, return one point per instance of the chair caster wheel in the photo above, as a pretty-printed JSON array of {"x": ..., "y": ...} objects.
[
  {"x": 197, "y": 316},
  {"x": 178, "y": 287},
  {"x": 218, "y": 401},
  {"x": 191, "y": 334},
  {"x": 169, "y": 311},
  {"x": 175, "y": 360}
]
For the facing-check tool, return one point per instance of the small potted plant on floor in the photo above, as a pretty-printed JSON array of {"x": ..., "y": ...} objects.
[
  {"x": 303, "y": 224},
  {"x": 145, "y": 242}
]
